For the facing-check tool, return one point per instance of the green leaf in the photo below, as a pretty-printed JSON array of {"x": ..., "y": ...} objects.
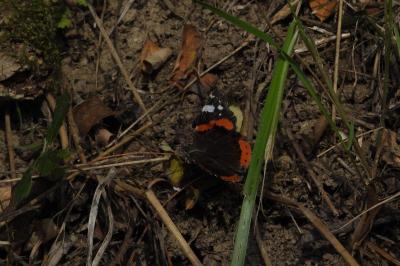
[
  {"x": 65, "y": 21},
  {"x": 396, "y": 36},
  {"x": 49, "y": 163},
  {"x": 23, "y": 187},
  {"x": 351, "y": 137},
  {"x": 81, "y": 3},
  {"x": 267, "y": 127},
  {"x": 33, "y": 147},
  {"x": 62, "y": 105}
]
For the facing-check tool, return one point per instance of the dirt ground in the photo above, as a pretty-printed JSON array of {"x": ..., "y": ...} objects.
[{"x": 50, "y": 226}]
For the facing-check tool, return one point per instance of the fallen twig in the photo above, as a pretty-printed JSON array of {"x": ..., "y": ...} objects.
[
  {"x": 152, "y": 198},
  {"x": 318, "y": 223},
  {"x": 117, "y": 59},
  {"x": 313, "y": 176}
]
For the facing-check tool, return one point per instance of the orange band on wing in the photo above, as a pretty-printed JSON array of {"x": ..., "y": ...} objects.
[
  {"x": 232, "y": 178},
  {"x": 245, "y": 155},
  {"x": 204, "y": 127},
  {"x": 223, "y": 122}
]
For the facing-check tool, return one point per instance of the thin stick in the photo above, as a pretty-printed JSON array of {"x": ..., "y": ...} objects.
[
  {"x": 369, "y": 209},
  {"x": 313, "y": 176},
  {"x": 318, "y": 223},
  {"x": 346, "y": 139},
  {"x": 383, "y": 253},
  {"x": 117, "y": 59},
  {"x": 152, "y": 198},
  {"x": 124, "y": 141},
  {"x": 75, "y": 136},
  {"x": 10, "y": 146},
  {"x": 261, "y": 246},
  {"x": 160, "y": 159},
  {"x": 337, "y": 54}
]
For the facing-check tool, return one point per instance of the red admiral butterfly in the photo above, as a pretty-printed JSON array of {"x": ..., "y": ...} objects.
[{"x": 217, "y": 147}]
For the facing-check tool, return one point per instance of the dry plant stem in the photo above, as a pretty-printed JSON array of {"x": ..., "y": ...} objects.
[
  {"x": 313, "y": 176},
  {"x": 321, "y": 42},
  {"x": 388, "y": 199},
  {"x": 345, "y": 140},
  {"x": 159, "y": 159},
  {"x": 123, "y": 141},
  {"x": 121, "y": 185},
  {"x": 112, "y": 149},
  {"x": 117, "y": 59},
  {"x": 337, "y": 54},
  {"x": 318, "y": 223},
  {"x": 98, "y": 50},
  {"x": 10, "y": 145},
  {"x": 118, "y": 259},
  {"x": 73, "y": 129},
  {"x": 152, "y": 198},
  {"x": 383, "y": 253},
  {"x": 63, "y": 129},
  {"x": 261, "y": 246}
]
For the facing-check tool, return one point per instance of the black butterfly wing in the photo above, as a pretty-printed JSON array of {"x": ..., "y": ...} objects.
[{"x": 217, "y": 151}]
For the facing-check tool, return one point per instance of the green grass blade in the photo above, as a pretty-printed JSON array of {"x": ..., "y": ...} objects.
[
  {"x": 62, "y": 105},
  {"x": 239, "y": 23},
  {"x": 269, "y": 121},
  {"x": 263, "y": 145},
  {"x": 397, "y": 37},
  {"x": 23, "y": 187}
]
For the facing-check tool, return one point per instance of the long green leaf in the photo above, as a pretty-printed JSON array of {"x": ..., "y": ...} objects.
[
  {"x": 264, "y": 145},
  {"x": 267, "y": 128},
  {"x": 23, "y": 187},
  {"x": 62, "y": 105}
]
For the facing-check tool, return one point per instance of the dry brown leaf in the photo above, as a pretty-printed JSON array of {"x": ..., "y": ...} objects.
[
  {"x": 103, "y": 137},
  {"x": 5, "y": 196},
  {"x": 364, "y": 225},
  {"x": 152, "y": 56},
  {"x": 149, "y": 47},
  {"x": 8, "y": 66},
  {"x": 390, "y": 148},
  {"x": 323, "y": 8},
  {"x": 283, "y": 13},
  {"x": 319, "y": 129},
  {"x": 208, "y": 81},
  {"x": 89, "y": 113},
  {"x": 156, "y": 60},
  {"x": 192, "y": 198},
  {"x": 191, "y": 43}
]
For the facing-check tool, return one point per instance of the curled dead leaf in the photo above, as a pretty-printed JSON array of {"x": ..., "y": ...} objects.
[
  {"x": 152, "y": 56},
  {"x": 390, "y": 148},
  {"x": 208, "y": 81},
  {"x": 323, "y": 9},
  {"x": 192, "y": 198},
  {"x": 103, "y": 137},
  {"x": 191, "y": 44},
  {"x": 89, "y": 113},
  {"x": 156, "y": 60}
]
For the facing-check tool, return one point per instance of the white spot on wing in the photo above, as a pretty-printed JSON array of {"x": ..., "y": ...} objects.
[
  {"x": 208, "y": 108},
  {"x": 220, "y": 107}
]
